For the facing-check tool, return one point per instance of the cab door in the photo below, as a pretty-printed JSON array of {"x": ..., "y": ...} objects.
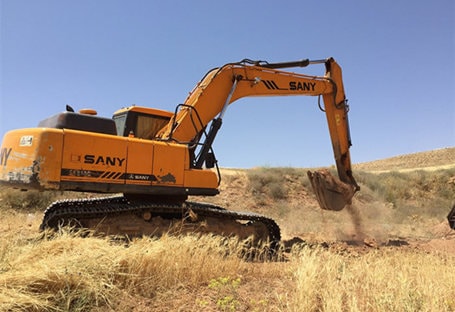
[{"x": 139, "y": 166}]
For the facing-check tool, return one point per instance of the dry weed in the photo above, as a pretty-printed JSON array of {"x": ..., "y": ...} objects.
[{"x": 385, "y": 280}]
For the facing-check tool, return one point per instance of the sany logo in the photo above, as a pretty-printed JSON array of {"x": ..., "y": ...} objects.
[
  {"x": 4, "y": 155},
  {"x": 103, "y": 160},
  {"x": 304, "y": 86},
  {"x": 293, "y": 85}
]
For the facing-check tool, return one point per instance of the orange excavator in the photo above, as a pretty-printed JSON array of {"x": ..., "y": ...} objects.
[{"x": 151, "y": 160}]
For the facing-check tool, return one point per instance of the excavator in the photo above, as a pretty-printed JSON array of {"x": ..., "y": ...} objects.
[{"x": 147, "y": 161}]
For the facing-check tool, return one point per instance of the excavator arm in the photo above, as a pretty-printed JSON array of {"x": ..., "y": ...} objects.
[{"x": 222, "y": 86}]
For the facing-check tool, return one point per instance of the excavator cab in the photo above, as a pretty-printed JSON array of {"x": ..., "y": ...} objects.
[{"x": 140, "y": 122}]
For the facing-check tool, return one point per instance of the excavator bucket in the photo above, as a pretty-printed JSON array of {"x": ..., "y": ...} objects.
[{"x": 331, "y": 193}]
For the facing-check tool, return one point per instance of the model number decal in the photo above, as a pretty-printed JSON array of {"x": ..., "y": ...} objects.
[
  {"x": 26, "y": 140},
  {"x": 103, "y": 160}
]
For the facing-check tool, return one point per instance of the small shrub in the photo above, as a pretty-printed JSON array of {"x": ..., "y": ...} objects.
[
  {"x": 277, "y": 190},
  {"x": 227, "y": 292},
  {"x": 275, "y": 182},
  {"x": 426, "y": 193}
]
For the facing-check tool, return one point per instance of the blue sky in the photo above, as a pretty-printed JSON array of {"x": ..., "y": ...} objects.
[{"x": 398, "y": 60}]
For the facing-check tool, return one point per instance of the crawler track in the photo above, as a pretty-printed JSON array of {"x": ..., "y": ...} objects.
[{"x": 120, "y": 215}]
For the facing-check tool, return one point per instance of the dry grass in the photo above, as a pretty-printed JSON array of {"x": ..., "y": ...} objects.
[
  {"x": 189, "y": 273},
  {"x": 71, "y": 273},
  {"x": 384, "y": 280},
  {"x": 435, "y": 159}
]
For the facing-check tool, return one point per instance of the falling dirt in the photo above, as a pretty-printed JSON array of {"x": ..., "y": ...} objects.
[{"x": 356, "y": 221}]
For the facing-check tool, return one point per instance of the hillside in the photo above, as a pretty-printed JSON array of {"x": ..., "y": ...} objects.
[
  {"x": 435, "y": 159},
  {"x": 399, "y": 185}
]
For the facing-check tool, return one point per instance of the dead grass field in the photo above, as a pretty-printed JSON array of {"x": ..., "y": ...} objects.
[{"x": 392, "y": 250}]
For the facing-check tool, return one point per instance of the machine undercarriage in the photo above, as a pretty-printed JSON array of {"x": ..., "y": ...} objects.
[{"x": 120, "y": 215}]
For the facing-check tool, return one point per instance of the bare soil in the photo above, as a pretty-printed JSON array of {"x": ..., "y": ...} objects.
[{"x": 366, "y": 225}]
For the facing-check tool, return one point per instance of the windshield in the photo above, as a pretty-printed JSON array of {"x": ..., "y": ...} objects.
[
  {"x": 139, "y": 125},
  {"x": 148, "y": 125}
]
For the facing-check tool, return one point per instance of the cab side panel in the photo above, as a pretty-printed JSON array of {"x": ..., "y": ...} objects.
[
  {"x": 94, "y": 162},
  {"x": 169, "y": 164}
]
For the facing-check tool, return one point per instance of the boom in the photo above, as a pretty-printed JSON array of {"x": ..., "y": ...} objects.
[{"x": 222, "y": 86}]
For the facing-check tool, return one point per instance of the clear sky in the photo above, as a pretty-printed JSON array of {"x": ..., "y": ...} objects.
[{"x": 398, "y": 60}]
